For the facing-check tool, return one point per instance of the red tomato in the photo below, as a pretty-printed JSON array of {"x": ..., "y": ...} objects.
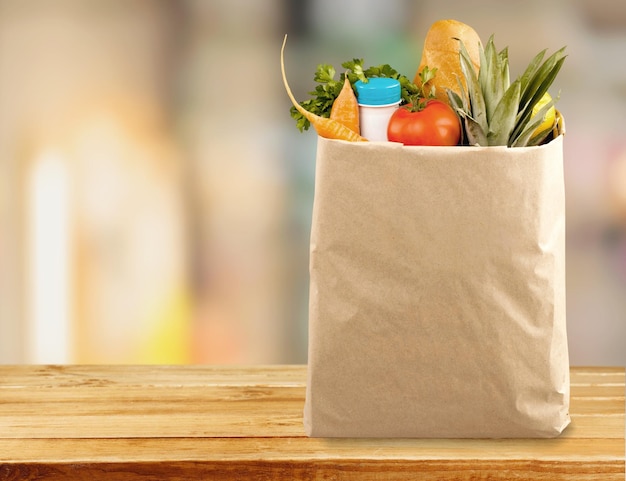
[{"x": 435, "y": 123}]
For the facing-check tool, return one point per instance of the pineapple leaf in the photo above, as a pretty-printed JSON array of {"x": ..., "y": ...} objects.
[
  {"x": 457, "y": 104},
  {"x": 523, "y": 139},
  {"x": 503, "y": 59},
  {"x": 540, "y": 84},
  {"x": 464, "y": 98},
  {"x": 455, "y": 100},
  {"x": 486, "y": 67},
  {"x": 503, "y": 121},
  {"x": 528, "y": 136},
  {"x": 549, "y": 68},
  {"x": 475, "y": 133},
  {"x": 475, "y": 94},
  {"x": 530, "y": 71},
  {"x": 491, "y": 78}
]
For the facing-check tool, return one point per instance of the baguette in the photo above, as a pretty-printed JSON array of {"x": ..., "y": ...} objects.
[{"x": 441, "y": 51}]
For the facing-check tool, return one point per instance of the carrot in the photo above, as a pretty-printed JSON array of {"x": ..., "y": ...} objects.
[
  {"x": 345, "y": 108},
  {"x": 328, "y": 128}
]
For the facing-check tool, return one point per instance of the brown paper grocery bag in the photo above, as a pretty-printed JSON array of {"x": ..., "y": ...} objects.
[{"x": 437, "y": 294}]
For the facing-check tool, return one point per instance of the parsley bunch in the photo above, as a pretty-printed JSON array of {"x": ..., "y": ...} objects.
[{"x": 328, "y": 88}]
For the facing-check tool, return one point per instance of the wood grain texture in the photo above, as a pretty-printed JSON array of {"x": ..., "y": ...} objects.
[{"x": 199, "y": 422}]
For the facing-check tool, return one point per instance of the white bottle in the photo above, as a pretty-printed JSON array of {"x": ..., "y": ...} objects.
[{"x": 378, "y": 98}]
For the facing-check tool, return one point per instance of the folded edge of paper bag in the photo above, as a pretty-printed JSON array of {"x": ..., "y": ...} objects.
[{"x": 437, "y": 292}]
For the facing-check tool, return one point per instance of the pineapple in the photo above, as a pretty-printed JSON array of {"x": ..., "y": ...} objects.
[{"x": 495, "y": 111}]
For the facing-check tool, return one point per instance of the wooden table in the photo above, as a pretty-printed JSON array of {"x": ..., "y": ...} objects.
[{"x": 215, "y": 423}]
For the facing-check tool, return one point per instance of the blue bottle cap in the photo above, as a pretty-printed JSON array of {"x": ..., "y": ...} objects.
[{"x": 378, "y": 91}]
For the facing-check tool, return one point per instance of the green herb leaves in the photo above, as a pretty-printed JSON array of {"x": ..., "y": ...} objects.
[{"x": 327, "y": 88}]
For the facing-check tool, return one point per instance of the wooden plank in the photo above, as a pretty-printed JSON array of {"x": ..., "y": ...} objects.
[
  {"x": 119, "y": 391},
  {"x": 528, "y": 470},
  {"x": 42, "y": 377},
  {"x": 272, "y": 413},
  {"x": 65, "y": 379},
  {"x": 609, "y": 406},
  {"x": 299, "y": 449},
  {"x": 306, "y": 459},
  {"x": 223, "y": 419},
  {"x": 223, "y": 424}
]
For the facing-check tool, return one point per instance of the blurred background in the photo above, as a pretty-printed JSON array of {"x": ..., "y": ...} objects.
[{"x": 155, "y": 195}]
